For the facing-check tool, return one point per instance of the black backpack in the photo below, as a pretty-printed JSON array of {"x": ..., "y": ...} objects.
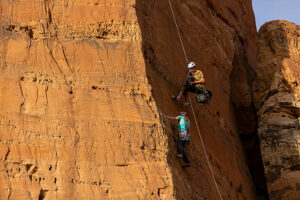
[{"x": 203, "y": 96}]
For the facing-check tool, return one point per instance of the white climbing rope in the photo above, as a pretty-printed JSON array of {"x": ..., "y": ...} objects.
[
  {"x": 178, "y": 32},
  {"x": 204, "y": 149}
]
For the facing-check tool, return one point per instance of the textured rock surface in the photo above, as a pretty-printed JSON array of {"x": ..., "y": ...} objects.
[
  {"x": 277, "y": 98},
  {"x": 79, "y": 119},
  {"x": 220, "y": 36}
]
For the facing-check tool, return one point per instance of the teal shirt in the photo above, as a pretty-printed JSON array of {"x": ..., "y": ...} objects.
[{"x": 182, "y": 123}]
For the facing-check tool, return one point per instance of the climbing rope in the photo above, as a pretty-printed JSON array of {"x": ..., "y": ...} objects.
[
  {"x": 178, "y": 32},
  {"x": 199, "y": 133},
  {"x": 204, "y": 149}
]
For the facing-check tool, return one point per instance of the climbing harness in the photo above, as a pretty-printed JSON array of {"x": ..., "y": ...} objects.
[
  {"x": 204, "y": 149},
  {"x": 184, "y": 135}
]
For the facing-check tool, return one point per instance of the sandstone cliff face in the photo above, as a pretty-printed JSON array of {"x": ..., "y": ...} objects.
[
  {"x": 220, "y": 36},
  {"x": 77, "y": 118},
  {"x": 83, "y": 84},
  {"x": 277, "y": 98}
]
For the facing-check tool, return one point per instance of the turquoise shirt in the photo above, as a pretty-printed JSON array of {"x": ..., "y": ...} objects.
[{"x": 182, "y": 123}]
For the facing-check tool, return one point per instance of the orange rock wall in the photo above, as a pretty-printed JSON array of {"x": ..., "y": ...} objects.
[
  {"x": 83, "y": 86},
  {"x": 77, "y": 118},
  {"x": 220, "y": 37},
  {"x": 277, "y": 99}
]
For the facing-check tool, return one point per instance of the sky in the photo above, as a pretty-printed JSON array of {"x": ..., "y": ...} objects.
[{"x": 267, "y": 10}]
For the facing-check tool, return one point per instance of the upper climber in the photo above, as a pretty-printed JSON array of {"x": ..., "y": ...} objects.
[{"x": 194, "y": 83}]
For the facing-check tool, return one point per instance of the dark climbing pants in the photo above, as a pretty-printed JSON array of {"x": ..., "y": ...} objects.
[
  {"x": 188, "y": 88},
  {"x": 192, "y": 89},
  {"x": 180, "y": 147}
]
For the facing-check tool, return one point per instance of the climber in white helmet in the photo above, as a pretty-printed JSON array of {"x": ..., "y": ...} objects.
[{"x": 194, "y": 82}]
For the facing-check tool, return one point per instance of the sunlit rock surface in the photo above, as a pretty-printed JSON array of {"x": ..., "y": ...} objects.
[{"x": 277, "y": 99}]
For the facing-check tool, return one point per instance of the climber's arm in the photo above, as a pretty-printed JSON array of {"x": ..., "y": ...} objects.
[
  {"x": 201, "y": 81},
  {"x": 170, "y": 117}
]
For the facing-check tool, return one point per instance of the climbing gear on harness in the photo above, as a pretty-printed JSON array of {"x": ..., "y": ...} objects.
[
  {"x": 184, "y": 135},
  {"x": 203, "y": 96},
  {"x": 190, "y": 78},
  {"x": 191, "y": 65},
  {"x": 204, "y": 149}
]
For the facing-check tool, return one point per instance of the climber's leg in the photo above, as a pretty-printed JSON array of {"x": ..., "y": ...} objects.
[
  {"x": 184, "y": 143},
  {"x": 181, "y": 152},
  {"x": 181, "y": 93},
  {"x": 180, "y": 148}
]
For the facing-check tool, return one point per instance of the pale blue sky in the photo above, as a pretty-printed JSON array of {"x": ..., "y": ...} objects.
[{"x": 267, "y": 10}]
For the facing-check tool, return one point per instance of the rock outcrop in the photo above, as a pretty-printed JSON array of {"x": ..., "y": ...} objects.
[
  {"x": 83, "y": 87},
  {"x": 277, "y": 99}
]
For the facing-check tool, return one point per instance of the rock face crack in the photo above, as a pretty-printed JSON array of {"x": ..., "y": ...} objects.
[
  {"x": 22, "y": 94},
  {"x": 7, "y": 153},
  {"x": 7, "y": 173},
  {"x": 54, "y": 60},
  {"x": 43, "y": 194},
  {"x": 66, "y": 60},
  {"x": 220, "y": 16}
]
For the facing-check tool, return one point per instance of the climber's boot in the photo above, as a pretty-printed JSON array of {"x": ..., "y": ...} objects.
[
  {"x": 186, "y": 165},
  {"x": 179, "y": 155},
  {"x": 186, "y": 104},
  {"x": 174, "y": 98}
]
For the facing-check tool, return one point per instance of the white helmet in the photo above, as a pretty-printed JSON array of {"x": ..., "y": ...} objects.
[{"x": 191, "y": 65}]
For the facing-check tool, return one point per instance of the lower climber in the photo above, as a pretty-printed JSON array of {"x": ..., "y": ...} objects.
[
  {"x": 183, "y": 136},
  {"x": 194, "y": 83}
]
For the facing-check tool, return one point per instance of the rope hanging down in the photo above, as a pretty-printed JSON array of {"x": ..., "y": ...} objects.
[
  {"x": 178, "y": 32},
  {"x": 204, "y": 149},
  {"x": 210, "y": 168}
]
